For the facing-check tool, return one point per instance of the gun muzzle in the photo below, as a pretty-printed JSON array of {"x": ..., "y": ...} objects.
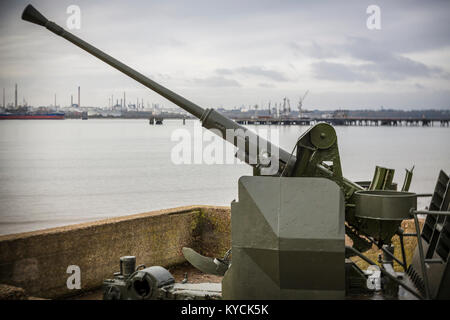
[{"x": 30, "y": 14}]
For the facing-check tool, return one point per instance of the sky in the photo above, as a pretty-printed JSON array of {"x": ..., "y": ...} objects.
[{"x": 234, "y": 53}]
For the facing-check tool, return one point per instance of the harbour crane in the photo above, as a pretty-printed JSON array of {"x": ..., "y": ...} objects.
[
  {"x": 286, "y": 106},
  {"x": 300, "y": 104}
]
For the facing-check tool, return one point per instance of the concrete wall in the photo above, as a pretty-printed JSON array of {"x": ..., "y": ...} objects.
[{"x": 37, "y": 261}]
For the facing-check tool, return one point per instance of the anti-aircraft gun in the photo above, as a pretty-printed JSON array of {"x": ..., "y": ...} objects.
[{"x": 289, "y": 225}]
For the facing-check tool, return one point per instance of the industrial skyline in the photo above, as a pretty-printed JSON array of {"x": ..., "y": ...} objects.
[
  {"x": 14, "y": 104},
  {"x": 233, "y": 54}
]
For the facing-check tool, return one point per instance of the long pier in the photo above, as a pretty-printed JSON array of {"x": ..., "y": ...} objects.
[{"x": 350, "y": 121}]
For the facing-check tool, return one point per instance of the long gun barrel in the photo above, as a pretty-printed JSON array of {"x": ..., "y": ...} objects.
[
  {"x": 317, "y": 152},
  {"x": 248, "y": 144}
]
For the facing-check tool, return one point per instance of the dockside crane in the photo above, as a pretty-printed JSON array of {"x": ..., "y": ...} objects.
[{"x": 300, "y": 104}]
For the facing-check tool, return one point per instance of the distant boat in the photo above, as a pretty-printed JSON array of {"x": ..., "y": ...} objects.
[{"x": 32, "y": 116}]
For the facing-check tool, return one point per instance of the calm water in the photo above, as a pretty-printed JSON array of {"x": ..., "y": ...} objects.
[{"x": 55, "y": 173}]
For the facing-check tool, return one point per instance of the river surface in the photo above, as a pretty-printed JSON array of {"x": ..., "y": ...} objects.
[{"x": 55, "y": 173}]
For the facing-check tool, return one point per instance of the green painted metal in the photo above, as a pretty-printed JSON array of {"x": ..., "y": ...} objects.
[
  {"x": 408, "y": 178},
  {"x": 434, "y": 244},
  {"x": 382, "y": 178},
  {"x": 381, "y": 229},
  {"x": 205, "y": 264},
  {"x": 137, "y": 284},
  {"x": 291, "y": 250},
  {"x": 385, "y": 204},
  {"x": 366, "y": 184}
]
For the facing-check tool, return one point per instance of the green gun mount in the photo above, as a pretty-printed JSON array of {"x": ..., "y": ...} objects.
[{"x": 301, "y": 204}]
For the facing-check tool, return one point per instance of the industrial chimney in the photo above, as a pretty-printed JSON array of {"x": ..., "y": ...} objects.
[
  {"x": 15, "y": 97},
  {"x": 79, "y": 103}
]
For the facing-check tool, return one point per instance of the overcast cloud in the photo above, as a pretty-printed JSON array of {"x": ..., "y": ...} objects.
[{"x": 233, "y": 53}]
